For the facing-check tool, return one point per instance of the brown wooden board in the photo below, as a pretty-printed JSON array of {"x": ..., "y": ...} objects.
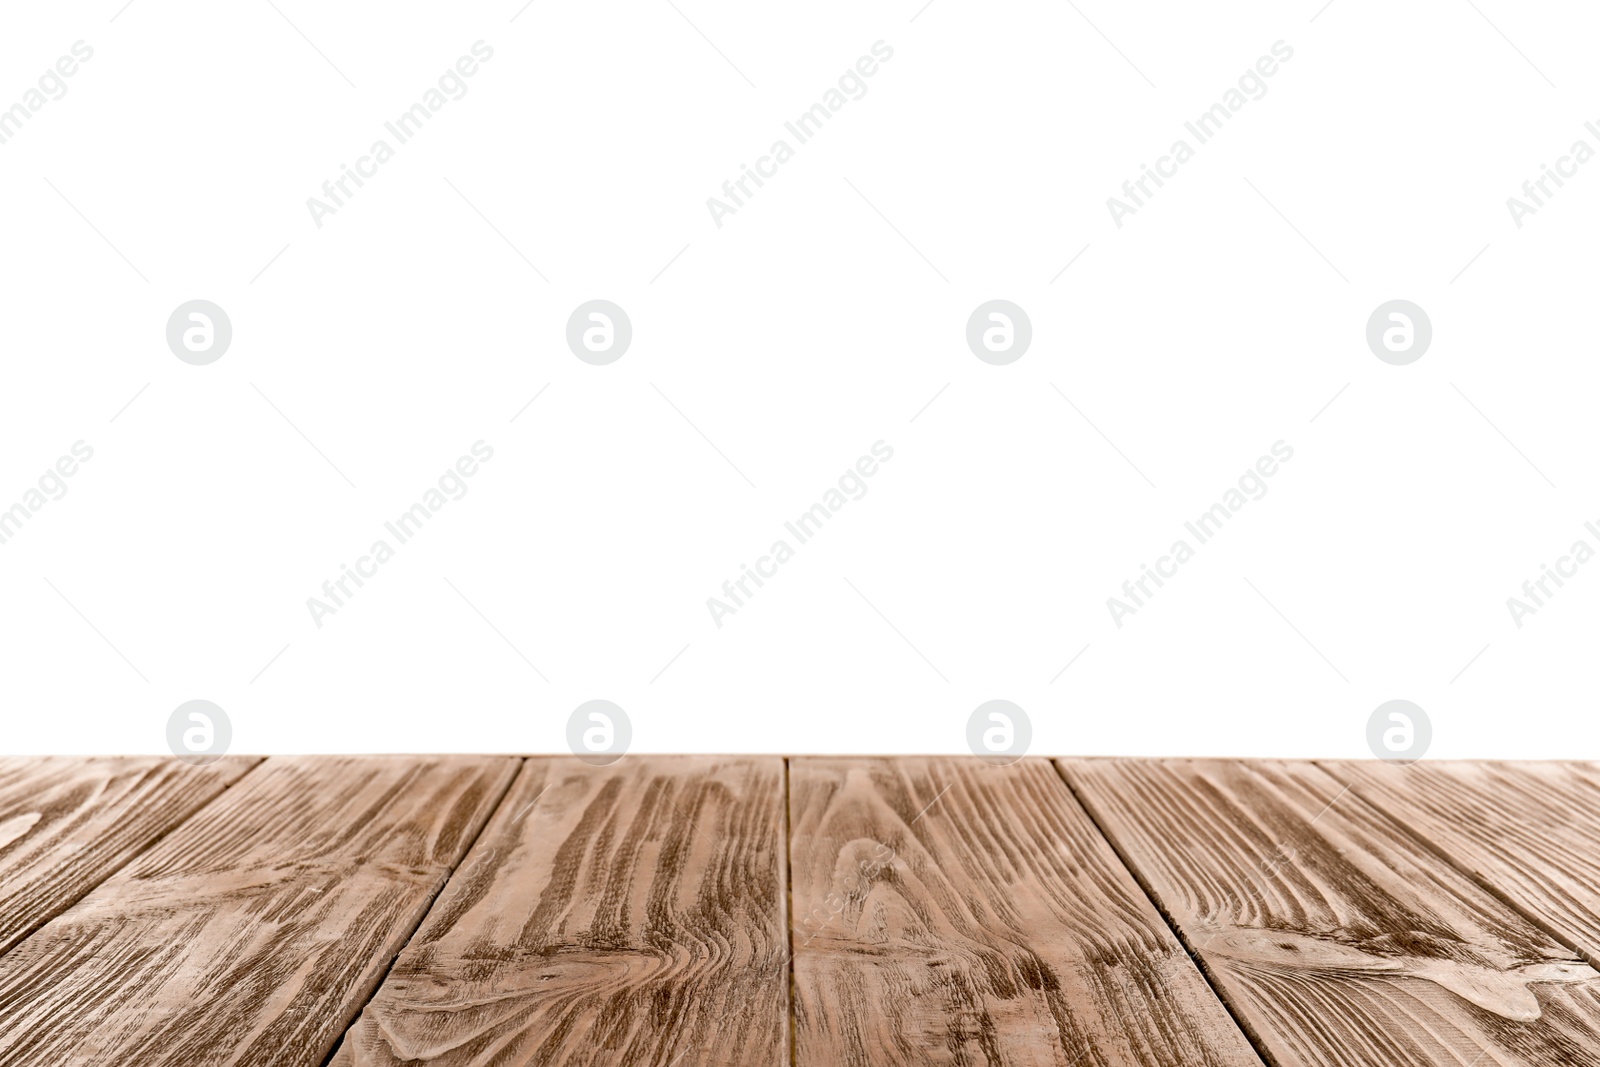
[
  {"x": 252, "y": 934},
  {"x": 951, "y": 912},
  {"x": 622, "y": 916},
  {"x": 1335, "y": 936},
  {"x": 1530, "y": 831},
  {"x": 68, "y": 823}
]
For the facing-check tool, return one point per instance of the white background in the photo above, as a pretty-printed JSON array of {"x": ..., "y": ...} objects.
[{"x": 796, "y": 335}]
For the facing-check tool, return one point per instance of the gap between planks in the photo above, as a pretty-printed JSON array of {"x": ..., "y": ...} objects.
[
  {"x": 1156, "y": 902},
  {"x": 260, "y": 919},
  {"x": 1556, "y": 931},
  {"x": 1001, "y": 928},
  {"x": 423, "y": 913},
  {"x": 1374, "y": 800},
  {"x": 1417, "y": 963},
  {"x": 105, "y": 873},
  {"x": 601, "y": 919},
  {"x": 101, "y": 875},
  {"x": 788, "y": 907},
  {"x": 1139, "y": 876}
]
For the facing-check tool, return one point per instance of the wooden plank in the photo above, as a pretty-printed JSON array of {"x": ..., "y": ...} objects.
[
  {"x": 252, "y": 934},
  {"x": 1335, "y": 936},
  {"x": 1529, "y": 830},
  {"x": 68, "y": 823},
  {"x": 951, "y": 912},
  {"x": 617, "y": 916}
]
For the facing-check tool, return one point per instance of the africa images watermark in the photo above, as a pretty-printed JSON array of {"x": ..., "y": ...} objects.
[
  {"x": 1202, "y": 129},
  {"x": 802, "y": 529},
  {"x": 1566, "y": 167},
  {"x": 409, "y": 523},
  {"x": 807, "y": 126},
  {"x": 51, "y": 82},
  {"x": 52, "y": 485},
  {"x": 857, "y": 884},
  {"x": 1209, "y": 523},
  {"x": 406, "y": 126},
  {"x": 1537, "y": 590}
]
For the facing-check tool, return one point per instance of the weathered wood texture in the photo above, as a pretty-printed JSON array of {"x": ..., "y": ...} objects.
[
  {"x": 252, "y": 934},
  {"x": 1335, "y": 936},
  {"x": 951, "y": 912},
  {"x": 1529, "y": 830},
  {"x": 623, "y": 916},
  {"x": 944, "y": 912},
  {"x": 67, "y": 824}
]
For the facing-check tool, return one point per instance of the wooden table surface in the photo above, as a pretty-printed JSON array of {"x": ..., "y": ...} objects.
[{"x": 677, "y": 911}]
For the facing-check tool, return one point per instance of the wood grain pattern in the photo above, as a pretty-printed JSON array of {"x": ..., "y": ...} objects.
[
  {"x": 252, "y": 934},
  {"x": 944, "y": 912},
  {"x": 1529, "y": 830},
  {"x": 66, "y": 824},
  {"x": 1335, "y": 936},
  {"x": 950, "y": 912},
  {"x": 618, "y": 916}
]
